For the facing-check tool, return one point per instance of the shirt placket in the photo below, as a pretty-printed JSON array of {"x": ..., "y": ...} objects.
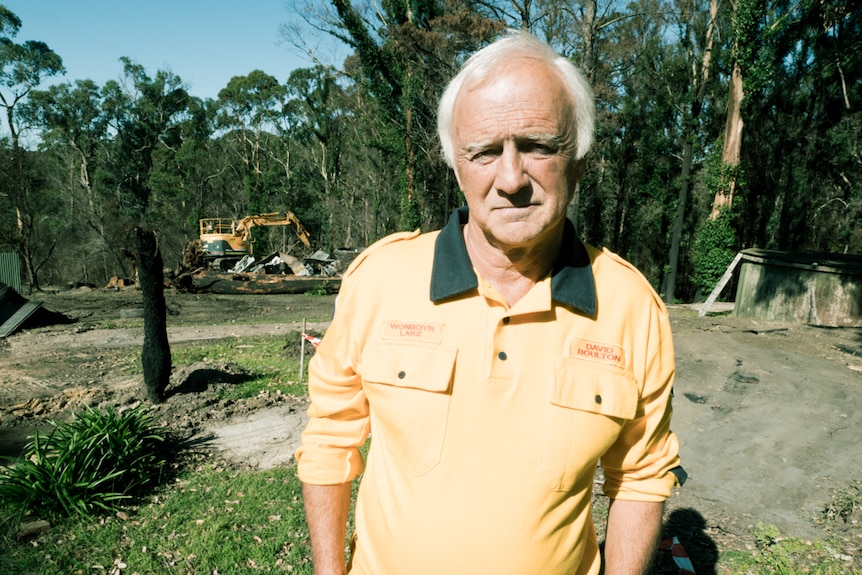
[{"x": 503, "y": 350}]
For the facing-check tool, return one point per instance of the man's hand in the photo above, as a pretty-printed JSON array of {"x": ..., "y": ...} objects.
[
  {"x": 326, "y": 509},
  {"x": 632, "y": 536}
]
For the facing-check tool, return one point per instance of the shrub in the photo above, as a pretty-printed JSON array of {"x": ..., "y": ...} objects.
[
  {"x": 714, "y": 249},
  {"x": 87, "y": 466}
]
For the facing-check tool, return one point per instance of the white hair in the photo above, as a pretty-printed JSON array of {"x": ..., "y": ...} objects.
[{"x": 492, "y": 57}]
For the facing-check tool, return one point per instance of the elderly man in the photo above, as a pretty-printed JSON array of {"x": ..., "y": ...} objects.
[{"x": 496, "y": 361}]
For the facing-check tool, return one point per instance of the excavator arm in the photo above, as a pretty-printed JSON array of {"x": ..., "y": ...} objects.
[{"x": 244, "y": 226}]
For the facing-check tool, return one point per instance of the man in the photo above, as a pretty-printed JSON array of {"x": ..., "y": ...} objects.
[{"x": 496, "y": 361}]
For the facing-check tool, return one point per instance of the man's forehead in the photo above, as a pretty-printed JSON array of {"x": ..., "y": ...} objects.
[{"x": 521, "y": 103}]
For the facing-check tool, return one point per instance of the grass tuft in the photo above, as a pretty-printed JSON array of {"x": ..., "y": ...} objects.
[{"x": 88, "y": 466}]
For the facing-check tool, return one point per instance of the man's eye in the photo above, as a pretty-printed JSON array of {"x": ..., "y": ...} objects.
[
  {"x": 540, "y": 148},
  {"x": 481, "y": 155}
]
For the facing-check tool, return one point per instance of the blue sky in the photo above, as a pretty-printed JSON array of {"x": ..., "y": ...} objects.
[{"x": 205, "y": 42}]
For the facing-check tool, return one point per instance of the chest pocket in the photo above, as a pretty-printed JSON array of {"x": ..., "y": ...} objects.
[
  {"x": 606, "y": 390},
  {"x": 408, "y": 388},
  {"x": 588, "y": 407}
]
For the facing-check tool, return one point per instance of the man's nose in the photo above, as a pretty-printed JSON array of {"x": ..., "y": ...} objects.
[{"x": 511, "y": 176}]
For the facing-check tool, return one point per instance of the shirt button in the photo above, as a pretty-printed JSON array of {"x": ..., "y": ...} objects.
[
  {"x": 502, "y": 355},
  {"x": 401, "y": 375},
  {"x": 506, "y": 320},
  {"x": 598, "y": 399}
]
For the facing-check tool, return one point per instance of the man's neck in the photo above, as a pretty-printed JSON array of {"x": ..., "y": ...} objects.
[{"x": 512, "y": 272}]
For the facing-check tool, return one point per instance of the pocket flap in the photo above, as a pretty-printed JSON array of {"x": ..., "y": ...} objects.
[
  {"x": 605, "y": 390},
  {"x": 417, "y": 367}
]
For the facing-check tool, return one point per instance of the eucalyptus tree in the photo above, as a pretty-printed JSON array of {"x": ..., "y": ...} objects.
[
  {"x": 22, "y": 68},
  {"x": 629, "y": 187},
  {"x": 599, "y": 38},
  {"x": 522, "y": 14},
  {"x": 250, "y": 107},
  {"x": 314, "y": 115},
  {"x": 144, "y": 115},
  {"x": 747, "y": 15},
  {"x": 71, "y": 115},
  {"x": 188, "y": 177},
  {"x": 8, "y": 219},
  {"x": 74, "y": 131}
]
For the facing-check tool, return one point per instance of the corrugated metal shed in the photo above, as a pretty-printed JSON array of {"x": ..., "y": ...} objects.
[
  {"x": 16, "y": 310},
  {"x": 10, "y": 270}
]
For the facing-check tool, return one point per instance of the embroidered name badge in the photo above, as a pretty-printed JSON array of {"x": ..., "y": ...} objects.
[
  {"x": 413, "y": 331},
  {"x": 596, "y": 351}
]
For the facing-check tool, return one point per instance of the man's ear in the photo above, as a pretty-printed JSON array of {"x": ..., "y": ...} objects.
[
  {"x": 458, "y": 178},
  {"x": 579, "y": 169}
]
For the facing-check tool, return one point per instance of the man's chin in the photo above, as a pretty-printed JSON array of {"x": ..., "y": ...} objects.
[
  {"x": 515, "y": 236},
  {"x": 526, "y": 233}
]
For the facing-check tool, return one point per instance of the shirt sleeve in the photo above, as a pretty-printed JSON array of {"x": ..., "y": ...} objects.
[
  {"x": 641, "y": 465},
  {"x": 338, "y": 415}
]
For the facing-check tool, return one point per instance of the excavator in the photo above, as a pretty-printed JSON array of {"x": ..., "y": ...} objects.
[
  {"x": 221, "y": 260},
  {"x": 224, "y": 241}
]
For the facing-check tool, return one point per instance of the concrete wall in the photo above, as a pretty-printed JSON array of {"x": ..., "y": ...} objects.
[{"x": 817, "y": 289}]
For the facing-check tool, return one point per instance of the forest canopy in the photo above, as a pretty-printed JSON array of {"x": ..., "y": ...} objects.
[{"x": 721, "y": 126}]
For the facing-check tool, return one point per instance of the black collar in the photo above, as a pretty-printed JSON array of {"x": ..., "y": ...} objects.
[{"x": 572, "y": 281}]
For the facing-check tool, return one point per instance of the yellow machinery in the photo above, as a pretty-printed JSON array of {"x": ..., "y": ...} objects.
[{"x": 228, "y": 240}]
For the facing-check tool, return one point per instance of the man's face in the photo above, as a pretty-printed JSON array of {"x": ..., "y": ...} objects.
[{"x": 514, "y": 138}]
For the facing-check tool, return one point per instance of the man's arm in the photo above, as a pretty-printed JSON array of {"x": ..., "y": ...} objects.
[
  {"x": 326, "y": 509},
  {"x": 632, "y": 536}
]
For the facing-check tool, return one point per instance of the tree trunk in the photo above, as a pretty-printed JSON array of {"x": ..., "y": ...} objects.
[
  {"x": 412, "y": 218},
  {"x": 670, "y": 278},
  {"x": 699, "y": 81},
  {"x": 732, "y": 144},
  {"x": 156, "y": 353},
  {"x": 588, "y": 66}
]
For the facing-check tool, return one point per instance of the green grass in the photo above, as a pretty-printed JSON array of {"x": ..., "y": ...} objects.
[
  {"x": 120, "y": 323},
  {"x": 777, "y": 555},
  {"x": 209, "y": 521}
]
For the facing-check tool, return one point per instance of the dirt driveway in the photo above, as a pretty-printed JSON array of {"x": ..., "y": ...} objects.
[
  {"x": 769, "y": 419},
  {"x": 769, "y": 415}
]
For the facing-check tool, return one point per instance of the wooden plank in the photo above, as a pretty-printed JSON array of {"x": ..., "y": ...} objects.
[{"x": 728, "y": 273}]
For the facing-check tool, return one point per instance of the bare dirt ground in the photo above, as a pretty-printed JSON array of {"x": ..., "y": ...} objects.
[{"x": 769, "y": 415}]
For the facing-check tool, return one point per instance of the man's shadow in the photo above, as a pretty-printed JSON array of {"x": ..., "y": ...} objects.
[{"x": 689, "y": 527}]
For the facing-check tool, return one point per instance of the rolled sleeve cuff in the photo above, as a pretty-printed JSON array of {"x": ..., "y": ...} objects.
[
  {"x": 648, "y": 489},
  {"x": 327, "y": 466}
]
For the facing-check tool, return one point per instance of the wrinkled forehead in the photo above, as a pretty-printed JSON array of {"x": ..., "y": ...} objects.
[{"x": 521, "y": 94}]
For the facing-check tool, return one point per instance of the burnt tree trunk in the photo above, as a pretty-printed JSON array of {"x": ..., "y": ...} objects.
[{"x": 156, "y": 354}]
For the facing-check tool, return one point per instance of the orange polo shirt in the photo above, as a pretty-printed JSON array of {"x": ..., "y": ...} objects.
[{"x": 488, "y": 421}]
